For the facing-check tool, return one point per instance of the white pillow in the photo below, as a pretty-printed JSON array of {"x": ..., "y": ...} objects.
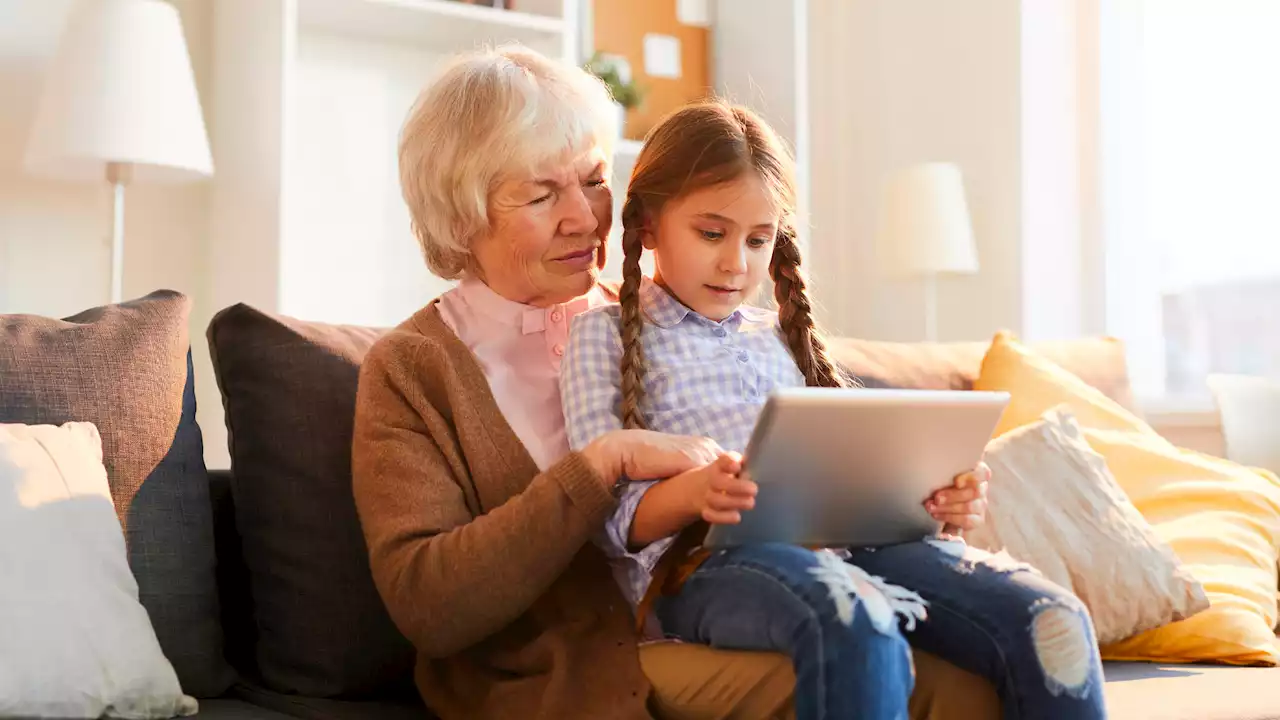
[
  {"x": 74, "y": 640},
  {"x": 1053, "y": 503}
]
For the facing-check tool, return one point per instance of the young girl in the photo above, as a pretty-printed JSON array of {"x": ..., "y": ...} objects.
[{"x": 713, "y": 196}]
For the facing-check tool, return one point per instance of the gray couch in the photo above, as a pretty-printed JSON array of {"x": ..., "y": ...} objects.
[{"x": 258, "y": 583}]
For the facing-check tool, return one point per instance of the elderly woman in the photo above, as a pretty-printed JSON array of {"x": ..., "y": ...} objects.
[{"x": 477, "y": 516}]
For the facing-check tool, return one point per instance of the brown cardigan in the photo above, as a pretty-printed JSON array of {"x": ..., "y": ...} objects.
[{"x": 482, "y": 560}]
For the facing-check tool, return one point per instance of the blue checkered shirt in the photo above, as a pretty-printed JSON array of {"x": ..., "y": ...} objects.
[{"x": 702, "y": 377}]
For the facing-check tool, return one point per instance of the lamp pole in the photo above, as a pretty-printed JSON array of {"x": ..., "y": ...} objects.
[{"x": 118, "y": 174}]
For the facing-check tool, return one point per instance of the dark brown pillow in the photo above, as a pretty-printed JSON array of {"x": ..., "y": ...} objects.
[
  {"x": 289, "y": 390},
  {"x": 126, "y": 368}
]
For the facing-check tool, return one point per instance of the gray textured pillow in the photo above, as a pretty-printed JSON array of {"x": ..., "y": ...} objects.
[
  {"x": 127, "y": 369},
  {"x": 289, "y": 389}
]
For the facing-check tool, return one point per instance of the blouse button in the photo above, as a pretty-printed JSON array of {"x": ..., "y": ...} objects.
[
  {"x": 742, "y": 358},
  {"x": 556, "y": 316},
  {"x": 558, "y": 350},
  {"x": 719, "y": 332}
]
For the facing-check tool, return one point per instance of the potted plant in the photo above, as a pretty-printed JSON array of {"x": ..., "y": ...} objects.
[{"x": 615, "y": 73}]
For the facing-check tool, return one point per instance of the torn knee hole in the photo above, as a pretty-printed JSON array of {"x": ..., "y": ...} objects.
[{"x": 1062, "y": 645}]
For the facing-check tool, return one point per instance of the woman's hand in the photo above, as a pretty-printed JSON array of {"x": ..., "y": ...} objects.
[
  {"x": 717, "y": 492},
  {"x": 962, "y": 505},
  {"x": 646, "y": 455}
]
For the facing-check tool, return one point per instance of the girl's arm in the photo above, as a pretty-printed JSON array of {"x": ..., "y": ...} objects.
[{"x": 591, "y": 391}]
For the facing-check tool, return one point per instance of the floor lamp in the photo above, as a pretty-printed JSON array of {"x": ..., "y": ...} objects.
[
  {"x": 925, "y": 230},
  {"x": 120, "y": 104}
]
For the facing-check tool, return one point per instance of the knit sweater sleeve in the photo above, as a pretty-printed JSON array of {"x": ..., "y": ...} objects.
[{"x": 449, "y": 574}]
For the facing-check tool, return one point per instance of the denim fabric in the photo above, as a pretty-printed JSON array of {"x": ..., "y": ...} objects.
[
  {"x": 774, "y": 597},
  {"x": 985, "y": 613},
  {"x": 1002, "y": 620}
]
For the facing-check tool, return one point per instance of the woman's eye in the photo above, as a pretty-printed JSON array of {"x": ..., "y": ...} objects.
[
  {"x": 540, "y": 199},
  {"x": 711, "y": 234}
]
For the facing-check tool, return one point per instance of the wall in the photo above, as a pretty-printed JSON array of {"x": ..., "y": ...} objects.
[
  {"x": 55, "y": 254},
  {"x": 915, "y": 81},
  {"x": 994, "y": 86},
  {"x": 344, "y": 217}
]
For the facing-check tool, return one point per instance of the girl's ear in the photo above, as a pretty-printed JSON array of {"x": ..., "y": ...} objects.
[{"x": 648, "y": 237}]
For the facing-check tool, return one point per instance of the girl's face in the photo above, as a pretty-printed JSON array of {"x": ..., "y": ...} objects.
[{"x": 712, "y": 246}]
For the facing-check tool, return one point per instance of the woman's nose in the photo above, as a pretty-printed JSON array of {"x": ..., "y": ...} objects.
[{"x": 578, "y": 217}]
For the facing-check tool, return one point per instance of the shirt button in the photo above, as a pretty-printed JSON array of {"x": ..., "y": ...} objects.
[
  {"x": 720, "y": 332},
  {"x": 556, "y": 316},
  {"x": 751, "y": 392},
  {"x": 558, "y": 350},
  {"x": 742, "y": 357}
]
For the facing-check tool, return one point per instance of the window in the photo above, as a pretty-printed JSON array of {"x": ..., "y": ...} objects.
[{"x": 1192, "y": 191}]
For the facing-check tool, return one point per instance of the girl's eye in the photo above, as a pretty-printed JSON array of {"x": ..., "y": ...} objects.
[
  {"x": 711, "y": 234},
  {"x": 758, "y": 242},
  {"x": 597, "y": 183}
]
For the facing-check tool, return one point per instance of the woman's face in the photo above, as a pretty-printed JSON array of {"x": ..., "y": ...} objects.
[{"x": 547, "y": 242}]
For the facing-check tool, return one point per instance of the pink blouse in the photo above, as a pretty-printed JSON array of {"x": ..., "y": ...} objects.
[{"x": 519, "y": 348}]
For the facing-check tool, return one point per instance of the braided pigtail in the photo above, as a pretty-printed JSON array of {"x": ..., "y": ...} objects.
[
  {"x": 795, "y": 316},
  {"x": 632, "y": 318}
]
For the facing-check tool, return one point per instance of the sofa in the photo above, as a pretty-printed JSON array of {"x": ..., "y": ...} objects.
[{"x": 274, "y": 563}]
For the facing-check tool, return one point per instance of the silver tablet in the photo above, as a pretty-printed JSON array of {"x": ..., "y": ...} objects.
[{"x": 853, "y": 467}]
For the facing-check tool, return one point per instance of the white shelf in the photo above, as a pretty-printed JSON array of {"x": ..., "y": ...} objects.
[
  {"x": 626, "y": 152},
  {"x": 440, "y": 23}
]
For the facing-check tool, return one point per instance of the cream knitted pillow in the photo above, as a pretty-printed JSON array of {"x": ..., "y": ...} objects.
[{"x": 1053, "y": 503}]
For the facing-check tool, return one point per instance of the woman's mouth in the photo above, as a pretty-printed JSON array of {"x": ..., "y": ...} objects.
[{"x": 582, "y": 257}]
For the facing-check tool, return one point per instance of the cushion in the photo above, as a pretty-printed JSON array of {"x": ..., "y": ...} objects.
[
  {"x": 289, "y": 389},
  {"x": 1192, "y": 692},
  {"x": 954, "y": 366},
  {"x": 1221, "y": 519},
  {"x": 126, "y": 368},
  {"x": 1054, "y": 504},
  {"x": 74, "y": 640}
]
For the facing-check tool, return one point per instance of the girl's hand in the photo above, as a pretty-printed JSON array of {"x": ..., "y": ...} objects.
[
  {"x": 963, "y": 505},
  {"x": 718, "y": 493}
]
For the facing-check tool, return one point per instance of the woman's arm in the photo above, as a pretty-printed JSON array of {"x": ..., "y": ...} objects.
[{"x": 450, "y": 579}]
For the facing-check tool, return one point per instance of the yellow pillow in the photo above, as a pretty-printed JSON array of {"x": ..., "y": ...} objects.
[{"x": 1222, "y": 519}]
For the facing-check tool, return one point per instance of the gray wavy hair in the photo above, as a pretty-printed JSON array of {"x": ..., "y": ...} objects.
[{"x": 491, "y": 115}]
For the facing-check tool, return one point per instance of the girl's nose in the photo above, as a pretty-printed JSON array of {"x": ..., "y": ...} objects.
[{"x": 733, "y": 259}]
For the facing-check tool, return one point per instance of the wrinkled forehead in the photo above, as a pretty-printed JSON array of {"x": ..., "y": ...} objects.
[{"x": 566, "y": 164}]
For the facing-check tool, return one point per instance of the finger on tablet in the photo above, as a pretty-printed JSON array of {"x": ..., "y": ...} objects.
[
  {"x": 730, "y": 462},
  {"x": 967, "y": 507},
  {"x": 731, "y": 485},
  {"x": 964, "y": 522},
  {"x": 725, "y": 501},
  {"x": 721, "y": 517}
]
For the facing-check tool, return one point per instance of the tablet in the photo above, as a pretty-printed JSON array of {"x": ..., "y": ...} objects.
[{"x": 853, "y": 467}]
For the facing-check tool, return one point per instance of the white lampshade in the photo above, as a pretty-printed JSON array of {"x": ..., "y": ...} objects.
[
  {"x": 120, "y": 90},
  {"x": 924, "y": 223}
]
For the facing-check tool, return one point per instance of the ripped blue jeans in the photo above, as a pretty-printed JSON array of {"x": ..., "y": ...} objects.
[{"x": 848, "y": 626}]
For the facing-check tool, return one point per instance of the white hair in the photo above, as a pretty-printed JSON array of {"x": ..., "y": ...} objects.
[{"x": 491, "y": 115}]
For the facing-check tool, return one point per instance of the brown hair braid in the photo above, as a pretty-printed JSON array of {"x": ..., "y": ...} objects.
[
  {"x": 795, "y": 315},
  {"x": 632, "y": 320},
  {"x": 696, "y": 147}
]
